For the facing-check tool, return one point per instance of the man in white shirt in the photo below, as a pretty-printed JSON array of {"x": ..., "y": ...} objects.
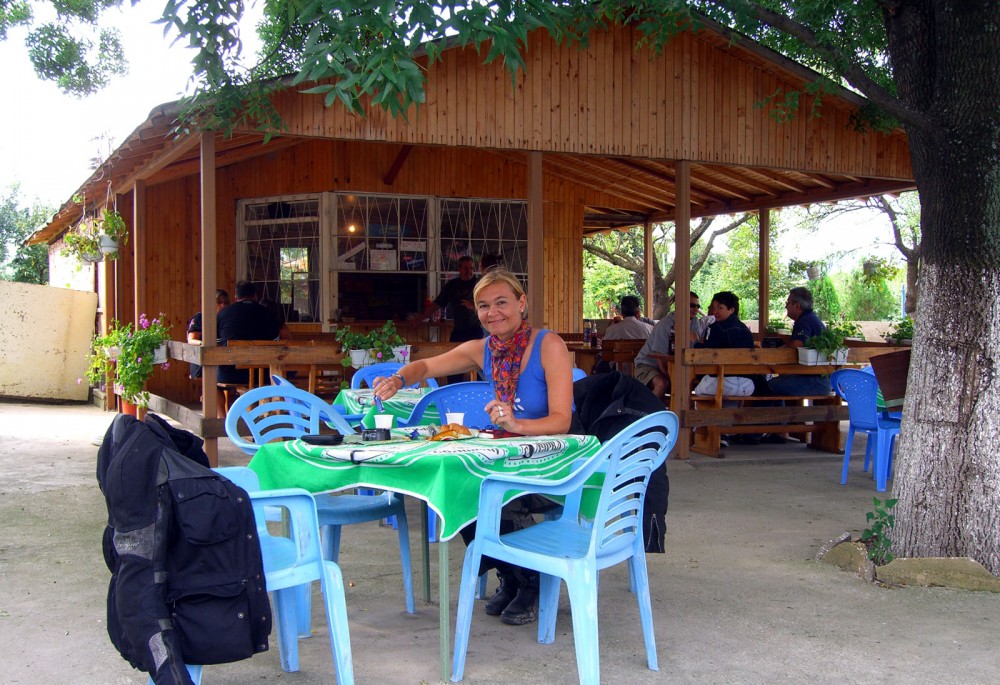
[
  {"x": 647, "y": 371},
  {"x": 631, "y": 327}
]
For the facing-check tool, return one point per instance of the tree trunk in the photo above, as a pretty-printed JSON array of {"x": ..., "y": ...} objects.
[{"x": 946, "y": 57}]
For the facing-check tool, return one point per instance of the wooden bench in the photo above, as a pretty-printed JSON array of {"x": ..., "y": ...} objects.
[
  {"x": 817, "y": 416},
  {"x": 621, "y": 353}
]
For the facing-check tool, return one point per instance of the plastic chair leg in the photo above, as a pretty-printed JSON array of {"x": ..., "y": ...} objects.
[
  {"x": 583, "y": 604},
  {"x": 482, "y": 586},
  {"x": 848, "y": 445},
  {"x": 404, "y": 556},
  {"x": 638, "y": 572},
  {"x": 431, "y": 525},
  {"x": 336, "y": 619},
  {"x": 463, "y": 618},
  {"x": 285, "y": 604},
  {"x": 548, "y": 606}
]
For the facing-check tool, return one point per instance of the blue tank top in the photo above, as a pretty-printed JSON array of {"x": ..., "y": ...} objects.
[{"x": 531, "y": 399}]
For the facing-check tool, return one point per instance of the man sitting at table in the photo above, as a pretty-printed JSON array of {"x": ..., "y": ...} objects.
[
  {"x": 631, "y": 327},
  {"x": 244, "y": 319},
  {"x": 647, "y": 370},
  {"x": 727, "y": 331},
  {"x": 807, "y": 324},
  {"x": 798, "y": 306},
  {"x": 531, "y": 372}
]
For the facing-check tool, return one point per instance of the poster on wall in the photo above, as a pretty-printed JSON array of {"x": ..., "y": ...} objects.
[
  {"x": 383, "y": 260},
  {"x": 413, "y": 255}
]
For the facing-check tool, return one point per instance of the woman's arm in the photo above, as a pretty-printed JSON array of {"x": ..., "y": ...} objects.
[
  {"x": 462, "y": 359},
  {"x": 558, "y": 369}
]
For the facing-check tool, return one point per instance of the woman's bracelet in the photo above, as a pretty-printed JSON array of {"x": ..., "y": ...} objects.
[{"x": 402, "y": 381}]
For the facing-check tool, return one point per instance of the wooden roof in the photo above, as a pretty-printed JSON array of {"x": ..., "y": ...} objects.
[{"x": 608, "y": 117}]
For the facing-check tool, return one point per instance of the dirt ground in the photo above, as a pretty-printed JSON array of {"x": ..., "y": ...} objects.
[{"x": 738, "y": 597}]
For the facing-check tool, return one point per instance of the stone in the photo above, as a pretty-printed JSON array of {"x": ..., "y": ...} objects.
[{"x": 957, "y": 572}]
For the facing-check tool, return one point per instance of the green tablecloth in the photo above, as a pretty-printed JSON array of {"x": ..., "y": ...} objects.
[
  {"x": 447, "y": 475},
  {"x": 400, "y": 405}
]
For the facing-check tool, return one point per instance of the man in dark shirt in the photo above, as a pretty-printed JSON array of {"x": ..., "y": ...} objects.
[
  {"x": 456, "y": 297},
  {"x": 194, "y": 327},
  {"x": 807, "y": 324},
  {"x": 244, "y": 319}
]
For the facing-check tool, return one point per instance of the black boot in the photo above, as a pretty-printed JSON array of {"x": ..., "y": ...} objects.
[
  {"x": 504, "y": 595},
  {"x": 524, "y": 607}
]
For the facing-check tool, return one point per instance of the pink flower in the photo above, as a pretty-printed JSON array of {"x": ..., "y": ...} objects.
[
  {"x": 143, "y": 321},
  {"x": 166, "y": 365},
  {"x": 138, "y": 360},
  {"x": 79, "y": 380}
]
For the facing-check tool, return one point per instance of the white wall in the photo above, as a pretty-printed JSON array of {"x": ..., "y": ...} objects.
[{"x": 44, "y": 341}]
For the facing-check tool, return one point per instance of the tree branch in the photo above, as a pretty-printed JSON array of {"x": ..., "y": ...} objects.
[{"x": 841, "y": 63}]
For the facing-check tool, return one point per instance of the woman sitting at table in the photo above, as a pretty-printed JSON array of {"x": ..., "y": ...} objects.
[{"x": 531, "y": 371}]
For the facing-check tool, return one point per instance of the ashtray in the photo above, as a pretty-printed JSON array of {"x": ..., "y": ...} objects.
[{"x": 375, "y": 434}]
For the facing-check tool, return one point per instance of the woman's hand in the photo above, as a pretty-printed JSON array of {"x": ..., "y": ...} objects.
[
  {"x": 502, "y": 415},
  {"x": 385, "y": 388}
]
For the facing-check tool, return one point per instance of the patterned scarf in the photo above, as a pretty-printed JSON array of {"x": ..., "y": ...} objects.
[{"x": 507, "y": 361}]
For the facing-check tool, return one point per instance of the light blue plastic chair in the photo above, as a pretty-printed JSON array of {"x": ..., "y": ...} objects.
[
  {"x": 859, "y": 389},
  {"x": 279, "y": 413},
  {"x": 367, "y": 374},
  {"x": 469, "y": 397},
  {"x": 293, "y": 562},
  {"x": 572, "y": 548},
  {"x": 578, "y": 374}
]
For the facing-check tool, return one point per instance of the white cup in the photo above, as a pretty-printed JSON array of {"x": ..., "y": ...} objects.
[
  {"x": 454, "y": 417},
  {"x": 384, "y": 420}
]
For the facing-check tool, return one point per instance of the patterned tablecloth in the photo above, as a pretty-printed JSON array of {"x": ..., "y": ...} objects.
[
  {"x": 447, "y": 475},
  {"x": 399, "y": 405}
]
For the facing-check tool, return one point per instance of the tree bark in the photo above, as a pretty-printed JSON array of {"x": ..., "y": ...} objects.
[{"x": 946, "y": 57}]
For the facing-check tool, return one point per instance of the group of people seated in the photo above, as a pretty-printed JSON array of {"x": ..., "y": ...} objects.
[{"x": 720, "y": 328}]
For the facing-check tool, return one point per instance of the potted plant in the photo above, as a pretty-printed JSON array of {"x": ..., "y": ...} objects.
[
  {"x": 825, "y": 348},
  {"x": 900, "y": 332},
  {"x": 93, "y": 239},
  {"x": 356, "y": 346},
  {"x": 777, "y": 325},
  {"x": 130, "y": 353},
  {"x": 849, "y": 329},
  {"x": 387, "y": 343}
]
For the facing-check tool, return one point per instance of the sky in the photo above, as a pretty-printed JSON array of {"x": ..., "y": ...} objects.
[{"x": 50, "y": 137}]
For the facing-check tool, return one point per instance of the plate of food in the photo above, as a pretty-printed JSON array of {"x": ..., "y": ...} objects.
[{"x": 453, "y": 431}]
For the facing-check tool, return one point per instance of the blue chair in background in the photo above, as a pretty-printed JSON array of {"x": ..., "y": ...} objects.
[
  {"x": 293, "y": 562},
  {"x": 367, "y": 374},
  {"x": 572, "y": 548},
  {"x": 859, "y": 390},
  {"x": 285, "y": 383},
  {"x": 469, "y": 398},
  {"x": 276, "y": 412},
  {"x": 578, "y": 374}
]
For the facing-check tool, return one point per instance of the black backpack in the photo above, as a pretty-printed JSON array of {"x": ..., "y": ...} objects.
[
  {"x": 606, "y": 403},
  {"x": 187, "y": 579}
]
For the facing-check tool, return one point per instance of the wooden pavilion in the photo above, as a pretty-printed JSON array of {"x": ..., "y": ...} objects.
[{"x": 588, "y": 139}]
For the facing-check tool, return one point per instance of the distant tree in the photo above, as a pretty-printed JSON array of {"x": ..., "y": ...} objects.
[
  {"x": 625, "y": 249},
  {"x": 19, "y": 262},
  {"x": 73, "y": 49},
  {"x": 825, "y": 298}
]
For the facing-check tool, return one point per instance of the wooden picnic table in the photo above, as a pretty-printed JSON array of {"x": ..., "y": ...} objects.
[{"x": 707, "y": 416}]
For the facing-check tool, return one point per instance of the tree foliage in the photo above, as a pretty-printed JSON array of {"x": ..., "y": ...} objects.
[
  {"x": 73, "y": 49},
  {"x": 19, "y": 262}
]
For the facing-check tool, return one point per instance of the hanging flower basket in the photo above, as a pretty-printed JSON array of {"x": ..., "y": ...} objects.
[
  {"x": 109, "y": 245},
  {"x": 813, "y": 273}
]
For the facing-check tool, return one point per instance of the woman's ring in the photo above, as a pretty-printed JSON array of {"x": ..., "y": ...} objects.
[{"x": 500, "y": 412}]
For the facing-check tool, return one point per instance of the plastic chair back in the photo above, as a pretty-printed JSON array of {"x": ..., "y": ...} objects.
[
  {"x": 578, "y": 374},
  {"x": 366, "y": 375},
  {"x": 279, "y": 412},
  {"x": 859, "y": 389},
  {"x": 470, "y": 398}
]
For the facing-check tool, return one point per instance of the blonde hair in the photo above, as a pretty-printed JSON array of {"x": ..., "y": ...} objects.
[{"x": 499, "y": 275}]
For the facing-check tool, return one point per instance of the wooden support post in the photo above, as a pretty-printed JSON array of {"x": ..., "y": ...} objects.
[
  {"x": 139, "y": 260},
  {"x": 209, "y": 392},
  {"x": 649, "y": 254},
  {"x": 680, "y": 384},
  {"x": 536, "y": 238},
  {"x": 764, "y": 272}
]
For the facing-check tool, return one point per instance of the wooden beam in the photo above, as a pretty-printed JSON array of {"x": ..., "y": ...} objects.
[
  {"x": 764, "y": 271},
  {"x": 171, "y": 152},
  {"x": 397, "y": 164},
  {"x": 680, "y": 397},
  {"x": 139, "y": 246},
  {"x": 536, "y": 237},
  {"x": 209, "y": 243}
]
